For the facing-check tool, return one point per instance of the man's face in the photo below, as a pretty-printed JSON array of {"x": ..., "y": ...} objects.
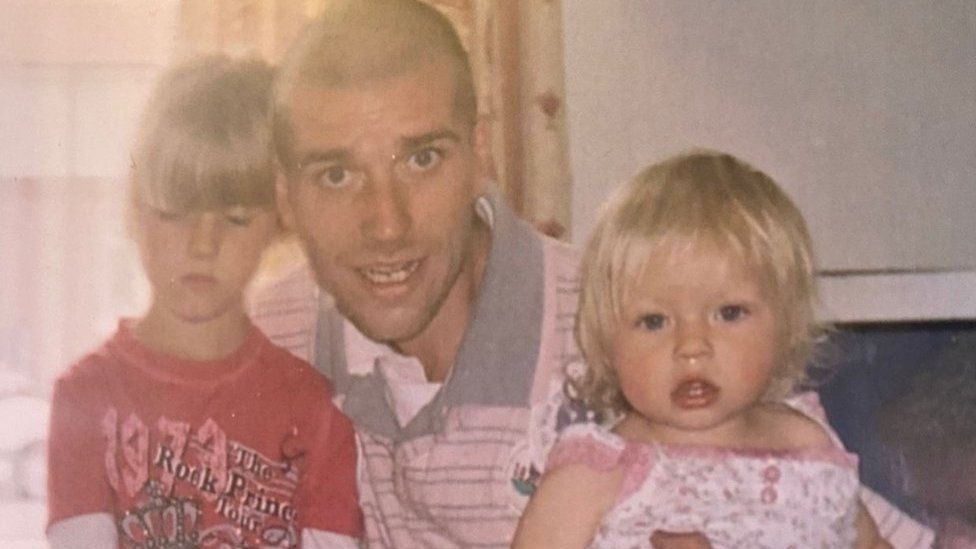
[{"x": 382, "y": 195}]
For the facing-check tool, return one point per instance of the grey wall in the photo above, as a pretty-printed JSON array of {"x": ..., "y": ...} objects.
[{"x": 865, "y": 111}]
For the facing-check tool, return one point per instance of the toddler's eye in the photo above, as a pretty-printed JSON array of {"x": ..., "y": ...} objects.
[
  {"x": 731, "y": 313},
  {"x": 651, "y": 322}
]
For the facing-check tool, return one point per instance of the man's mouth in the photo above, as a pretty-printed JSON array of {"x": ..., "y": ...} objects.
[{"x": 394, "y": 273}]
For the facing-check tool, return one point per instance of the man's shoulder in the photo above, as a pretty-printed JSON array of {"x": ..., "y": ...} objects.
[
  {"x": 565, "y": 251},
  {"x": 285, "y": 308},
  {"x": 558, "y": 346},
  {"x": 289, "y": 286},
  {"x": 562, "y": 260}
]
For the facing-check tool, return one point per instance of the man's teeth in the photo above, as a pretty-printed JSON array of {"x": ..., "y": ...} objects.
[{"x": 390, "y": 274}]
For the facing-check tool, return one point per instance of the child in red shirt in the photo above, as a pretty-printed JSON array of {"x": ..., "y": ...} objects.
[{"x": 188, "y": 427}]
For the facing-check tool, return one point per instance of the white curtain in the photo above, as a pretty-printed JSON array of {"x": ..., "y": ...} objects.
[{"x": 73, "y": 79}]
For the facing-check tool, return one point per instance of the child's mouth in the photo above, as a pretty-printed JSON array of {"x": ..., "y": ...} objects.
[{"x": 694, "y": 393}]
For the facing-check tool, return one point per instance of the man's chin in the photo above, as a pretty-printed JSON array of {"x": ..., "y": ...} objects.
[{"x": 390, "y": 327}]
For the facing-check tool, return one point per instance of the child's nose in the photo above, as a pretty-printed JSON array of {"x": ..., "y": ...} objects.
[
  {"x": 692, "y": 341},
  {"x": 205, "y": 235}
]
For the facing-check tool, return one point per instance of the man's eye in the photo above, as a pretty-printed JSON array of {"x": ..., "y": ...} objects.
[
  {"x": 331, "y": 176},
  {"x": 651, "y": 322},
  {"x": 424, "y": 159},
  {"x": 731, "y": 313}
]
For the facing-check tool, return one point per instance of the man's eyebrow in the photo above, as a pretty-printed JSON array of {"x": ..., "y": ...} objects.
[
  {"x": 415, "y": 141},
  {"x": 331, "y": 155}
]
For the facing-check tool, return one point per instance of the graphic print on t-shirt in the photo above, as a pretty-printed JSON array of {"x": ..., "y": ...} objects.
[{"x": 184, "y": 487}]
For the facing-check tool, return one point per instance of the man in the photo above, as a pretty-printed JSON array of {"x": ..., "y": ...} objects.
[
  {"x": 450, "y": 321},
  {"x": 445, "y": 323}
]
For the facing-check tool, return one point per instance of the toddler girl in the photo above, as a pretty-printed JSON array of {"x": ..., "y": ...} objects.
[{"x": 696, "y": 320}]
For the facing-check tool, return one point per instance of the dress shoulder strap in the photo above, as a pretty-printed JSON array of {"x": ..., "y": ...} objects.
[{"x": 586, "y": 444}]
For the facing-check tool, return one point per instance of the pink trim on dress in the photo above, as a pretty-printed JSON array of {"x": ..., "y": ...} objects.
[
  {"x": 602, "y": 453},
  {"x": 833, "y": 455},
  {"x": 584, "y": 451}
]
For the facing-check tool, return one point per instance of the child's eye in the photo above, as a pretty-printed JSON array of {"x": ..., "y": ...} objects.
[
  {"x": 425, "y": 159},
  {"x": 238, "y": 216},
  {"x": 169, "y": 215},
  {"x": 732, "y": 313},
  {"x": 651, "y": 322}
]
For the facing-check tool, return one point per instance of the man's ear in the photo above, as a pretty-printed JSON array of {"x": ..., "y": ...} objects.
[{"x": 286, "y": 217}]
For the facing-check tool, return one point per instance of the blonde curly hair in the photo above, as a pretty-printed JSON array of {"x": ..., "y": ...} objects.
[{"x": 697, "y": 197}]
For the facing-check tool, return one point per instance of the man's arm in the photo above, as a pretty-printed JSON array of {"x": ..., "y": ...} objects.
[
  {"x": 899, "y": 529},
  {"x": 286, "y": 309}
]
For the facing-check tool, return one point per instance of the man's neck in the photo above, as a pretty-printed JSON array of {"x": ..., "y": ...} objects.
[{"x": 437, "y": 346}]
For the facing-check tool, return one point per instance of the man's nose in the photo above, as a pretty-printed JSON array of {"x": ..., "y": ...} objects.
[
  {"x": 205, "y": 235},
  {"x": 386, "y": 209}
]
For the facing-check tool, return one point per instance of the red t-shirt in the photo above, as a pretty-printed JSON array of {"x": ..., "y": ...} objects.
[{"x": 247, "y": 450}]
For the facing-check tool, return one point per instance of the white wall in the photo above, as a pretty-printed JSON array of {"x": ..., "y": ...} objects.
[
  {"x": 74, "y": 75},
  {"x": 864, "y": 111}
]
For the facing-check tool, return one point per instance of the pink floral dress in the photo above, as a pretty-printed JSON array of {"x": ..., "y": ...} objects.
[{"x": 805, "y": 498}]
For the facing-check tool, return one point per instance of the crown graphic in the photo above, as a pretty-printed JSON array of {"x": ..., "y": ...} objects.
[{"x": 163, "y": 522}]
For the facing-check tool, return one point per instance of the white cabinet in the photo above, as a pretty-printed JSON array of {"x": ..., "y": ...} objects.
[{"x": 864, "y": 111}]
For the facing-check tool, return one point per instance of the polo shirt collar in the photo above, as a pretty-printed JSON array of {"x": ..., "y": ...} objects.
[{"x": 499, "y": 350}]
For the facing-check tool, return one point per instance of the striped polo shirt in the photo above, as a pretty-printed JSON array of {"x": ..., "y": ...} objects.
[{"x": 458, "y": 472}]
